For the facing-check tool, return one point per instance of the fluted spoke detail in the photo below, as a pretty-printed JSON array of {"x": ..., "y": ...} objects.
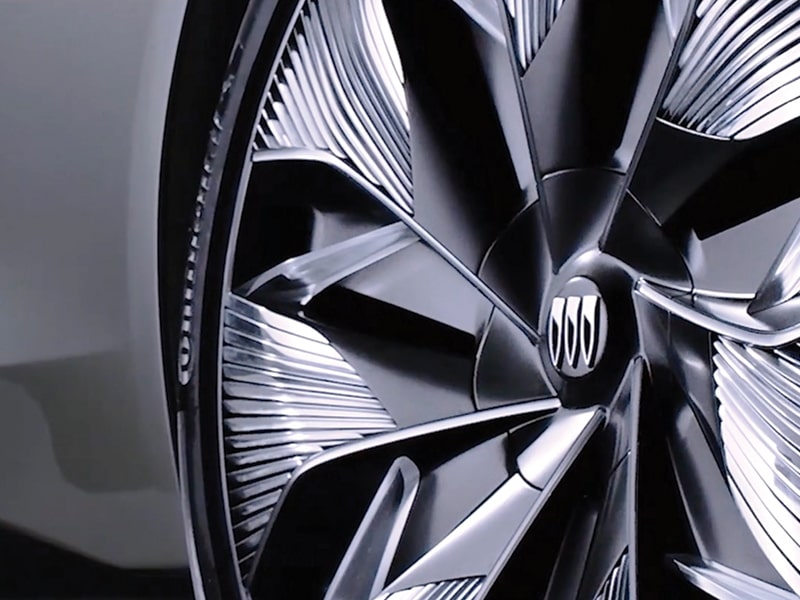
[
  {"x": 594, "y": 115},
  {"x": 758, "y": 393},
  {"x": 617, "y": 585},
  {"x": 486, "y": 539},
  {"x": 401, "y": 239},
  {"x": 288, "y": 395},
  {"x": 458, "y": 589},
  {"x": 339, "y": 88},
  {"x": 429, "y": 183},
  {"x": 740, "y": 70},
  {"x": 531, "y": 22},
  {"x": 354, "y": 481}
]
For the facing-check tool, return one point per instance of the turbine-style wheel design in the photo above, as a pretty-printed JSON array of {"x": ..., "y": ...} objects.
[{"x": 490, "y": 300}]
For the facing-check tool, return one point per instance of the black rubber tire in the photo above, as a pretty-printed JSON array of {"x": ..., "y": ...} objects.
[{"x": 227, "y": 46}]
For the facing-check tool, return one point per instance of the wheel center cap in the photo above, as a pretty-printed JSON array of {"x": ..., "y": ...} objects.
[{"x": 577, "y": 328}]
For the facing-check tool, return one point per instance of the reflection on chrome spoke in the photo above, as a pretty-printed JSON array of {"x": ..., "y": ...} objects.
[
  {"x": 296, "y": 281},
  {"x": 726, "y": 584},
  {"x": 728, "y": 316}
]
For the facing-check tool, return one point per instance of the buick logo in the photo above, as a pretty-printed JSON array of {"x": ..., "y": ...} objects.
[{"x": 576, "y": 331}]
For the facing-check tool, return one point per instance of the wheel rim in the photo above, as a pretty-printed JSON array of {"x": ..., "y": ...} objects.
[{"x": 472, "y": 339}]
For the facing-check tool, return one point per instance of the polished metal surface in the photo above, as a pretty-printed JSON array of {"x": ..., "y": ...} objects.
[
  {"x": 724, "y": 583},
  {"x": 558, "y": 445},
  {"x": 288, "y": 395},
  {"x": 297, "y": 280},
  {"x": 495, "y": 527},
  {"x": 617, "y": 586},
  {"x": 739, "y": 72},
  {"x": 498, "y": 525},
  {"x": 459, "y": 589},
  {"x": 364, "y": 568},
  {"x": 532, "y": 20},
  {"x": 465, "y": 461},
  {"x": 487, "y": 14},
  {"x": 758, "y": 392},
  {"x": 338, "y": 87},
  {"x": 724, "y": 314},
  {"x": 529, "y": 410},
  {"x": 782, "y": 282}
]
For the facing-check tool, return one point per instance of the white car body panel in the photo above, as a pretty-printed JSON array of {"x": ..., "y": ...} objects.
[{"x": 86, "y": 457}]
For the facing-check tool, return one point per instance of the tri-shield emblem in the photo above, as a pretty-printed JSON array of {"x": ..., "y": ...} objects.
[{"x": 575, "y": 331}]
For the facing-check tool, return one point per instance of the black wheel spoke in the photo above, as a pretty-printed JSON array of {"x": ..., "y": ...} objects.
[
  {"x": 612, "y": 560},
  {"x": 395, "y": 323},
  {"x": 470, "y": 153},
  {"x": 592, "y": 88},
  {"x": 736, "y": 80},
  {"x": 508, "y": 368},
  {"x": 498, "y": 525},
  {"x": 592, "y": 94},
  {"x": 518, "y": 265}
]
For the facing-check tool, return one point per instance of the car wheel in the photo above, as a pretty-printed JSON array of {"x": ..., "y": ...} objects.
[{"x": 494, "y": 300}]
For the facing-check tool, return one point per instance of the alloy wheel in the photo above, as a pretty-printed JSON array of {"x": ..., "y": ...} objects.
[{"x": 499, "y": 300}]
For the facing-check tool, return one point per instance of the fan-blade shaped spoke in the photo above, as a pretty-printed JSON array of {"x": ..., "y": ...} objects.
[
  {"x": 737, "y": 79},
  {"x": 287, "y": 395},
  {"x": 518, "y": 266},
  {"x": 399, "y": 323},
  {"x": 338, "y": 89},
  {"x": 508, "y": 368},
  {"x": 593, "y": 87},
  {"x": 739, "y": 69},
  {"x": 598, "y": 558},
  {"x": 611, "y": 569}
]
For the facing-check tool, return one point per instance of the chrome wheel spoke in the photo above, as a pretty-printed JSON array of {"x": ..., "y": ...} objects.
[
  {"x": 782, "y": 282},
  {"x": 599, "y": 553},
  {"x": 294, "y": 282}
]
